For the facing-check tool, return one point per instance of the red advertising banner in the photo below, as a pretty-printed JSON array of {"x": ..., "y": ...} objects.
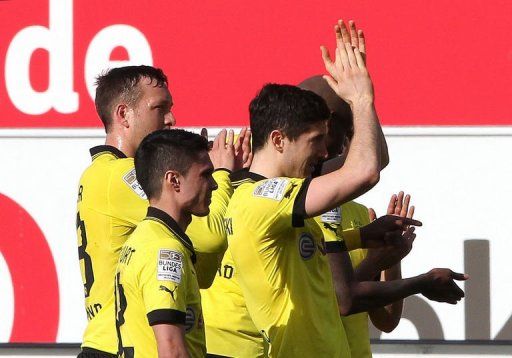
[{"x": 433, "y": 62}]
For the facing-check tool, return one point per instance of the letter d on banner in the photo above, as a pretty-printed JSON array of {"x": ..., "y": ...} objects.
[{"x": 57, "y": 39}]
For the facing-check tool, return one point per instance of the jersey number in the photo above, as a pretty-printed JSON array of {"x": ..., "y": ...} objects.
[
  {"x": 125, "y": 352},
  {"x": 83, "y": 255}
]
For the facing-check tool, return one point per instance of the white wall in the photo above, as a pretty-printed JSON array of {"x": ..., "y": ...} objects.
[{"x": 459, "y": 179}]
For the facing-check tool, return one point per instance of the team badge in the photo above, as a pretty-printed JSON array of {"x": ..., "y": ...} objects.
[
  {"x": 131, "y": 180},
  {"x": 307, "y": 246},
  {"x": 190, "y": 319},
  {"x": 169, "y": 266}
]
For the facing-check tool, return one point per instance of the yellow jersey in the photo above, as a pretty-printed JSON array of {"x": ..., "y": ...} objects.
[
  {"x": 282, "y": 268},
  {"x": 110, "y": 204},
  {"x": 156, "y": 283},
  {"x": 350, "y": 216},
  {"x": 230, "y": 331}
]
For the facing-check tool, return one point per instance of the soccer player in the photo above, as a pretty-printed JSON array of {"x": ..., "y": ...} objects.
[
  {"x": 367, "y": 266},
  {"x": 276, "y": 247},
  {"x": 352, "y": 215},
  {"x": 277, "y": 250},
  {"x": 132, "y": 102},
  {"x": 230, "y": 331},
  {"x": 158, "y": 305}
]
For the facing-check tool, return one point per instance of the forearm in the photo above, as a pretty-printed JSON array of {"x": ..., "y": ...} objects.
[
  {"x": 367, "y": 270},
  {"x": 384, "y": 154},
  {"x": 207, "y": 233},
  {"x": 170, "y": 341},
  {"x": 369, "y": 295},
  {"x": 387, "y": 318},
  {"x": 365, "y": 147}
]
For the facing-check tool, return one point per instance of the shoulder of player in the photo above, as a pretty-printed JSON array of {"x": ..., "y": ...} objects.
[
  {"x": 275, "y": 189},
  {"x": 148, "y": 237}
]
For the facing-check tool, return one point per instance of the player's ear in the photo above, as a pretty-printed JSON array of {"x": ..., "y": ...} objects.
[
  {"x": 172, "y": 179},
  {"x": 121, "y": 115},
  {"x": 277, "y": 140}
]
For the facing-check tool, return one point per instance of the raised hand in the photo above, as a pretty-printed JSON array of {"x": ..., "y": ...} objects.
[
  {"x": 243, "y": 150},
  {"x": 441, "y": 287},
  {"x": 349, "y": 77},
  {"x": 204, "y": 134},
  {"x": 388, "y": 256},
  {"x": 222, "y": 153},
  {"x": 355, "y": 38}
]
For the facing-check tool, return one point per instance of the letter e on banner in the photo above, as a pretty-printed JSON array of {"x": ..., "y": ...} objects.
[{"x": 98, "y": 54}]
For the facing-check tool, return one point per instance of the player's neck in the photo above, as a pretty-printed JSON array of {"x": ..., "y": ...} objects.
[
  {"x": 173, "y": 210},
  {"x": 266, "y": 163},
  {"x": 120, "y": 142}
]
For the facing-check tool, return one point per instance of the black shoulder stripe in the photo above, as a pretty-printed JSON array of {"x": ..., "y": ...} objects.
[
  {"x": 106, "y": 148},
  {"x": 166, "y": 316},
  {"x": 299, "y": 206}
]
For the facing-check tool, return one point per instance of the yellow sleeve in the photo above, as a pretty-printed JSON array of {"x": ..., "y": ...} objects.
[
  {"x": 278, "y": 203},
  {"x": 338, "y": 239},
  {"x": 207, "y": 233},
  {"x": 127, "y": 201},
  {"x": 163, "y": 281},
  {"x": 330, "y": 222}
]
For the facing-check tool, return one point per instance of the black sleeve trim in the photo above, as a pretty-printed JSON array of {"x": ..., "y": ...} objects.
[
  {"x": 335, "y": 246},
  {"x": 166, "y": 316},
  {"x": 222, "y": 169},
  {"x": 299, "y": 206}
]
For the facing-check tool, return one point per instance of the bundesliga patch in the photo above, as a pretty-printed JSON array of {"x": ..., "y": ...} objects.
[
  {"x": 332, "y": 216},
  {"x": 131, "y": 180},
  {"x": 169, "y": 266},
  {"x": 271, "y": 189}
]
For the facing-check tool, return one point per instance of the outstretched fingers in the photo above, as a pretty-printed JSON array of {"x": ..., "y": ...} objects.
[
  {"x": 399, "y": 203},
  {"x": 459, "y": 276},
  {"x": 391, "y": 205},
  {"x": 329, "y": 64},
  {"x": 354, "y": 40},
  {"x": 408, "y": 221},
  {"x": 344, "y": 34}
]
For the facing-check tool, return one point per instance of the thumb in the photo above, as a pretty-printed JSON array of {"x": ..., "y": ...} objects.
[{"x": 371, "y": 214}]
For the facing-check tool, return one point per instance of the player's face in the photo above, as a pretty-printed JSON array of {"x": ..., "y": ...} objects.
[
  {"x": 198, "y": 185},
  {"x": 152, "y": 111},
  {"x": 306, "y": 151}
]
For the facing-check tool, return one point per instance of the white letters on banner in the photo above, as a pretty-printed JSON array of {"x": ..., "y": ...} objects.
[
  {"x": 57, "y": 39},
  {"x": 97, "y": 58}
]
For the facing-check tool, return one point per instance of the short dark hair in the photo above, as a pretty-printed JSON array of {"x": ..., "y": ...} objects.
[
  {"x": 121, "y": 84},
  {"x": 286, "y": 108},
  {"x": 163, "y": 150}
]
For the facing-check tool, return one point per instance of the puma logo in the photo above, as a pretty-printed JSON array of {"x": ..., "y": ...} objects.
[{"x": 163, "y": 288}]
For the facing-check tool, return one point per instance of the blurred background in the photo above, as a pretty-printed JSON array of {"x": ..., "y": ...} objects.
[{"x": 442, "y": 72}]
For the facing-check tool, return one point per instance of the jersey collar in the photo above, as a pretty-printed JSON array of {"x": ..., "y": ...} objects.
[
  {"x": 244, "y": 176},
  {"x": 166, "y": 220},
  {"x": 95, "y": 151}
]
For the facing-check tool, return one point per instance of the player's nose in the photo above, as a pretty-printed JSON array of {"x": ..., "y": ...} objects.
[{"x": 170, "y": 120}]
